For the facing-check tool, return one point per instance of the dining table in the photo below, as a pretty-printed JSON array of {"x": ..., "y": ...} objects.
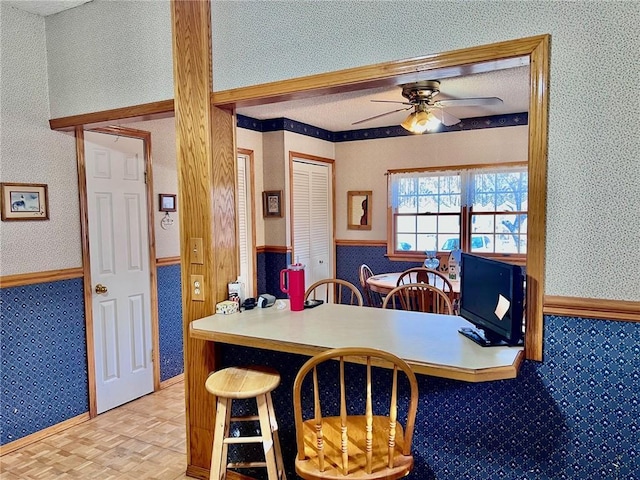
[{"x": 383, "y": 283}]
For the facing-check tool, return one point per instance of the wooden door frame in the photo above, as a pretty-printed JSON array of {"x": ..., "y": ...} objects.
[
  {"x": 534, "y": 51},
  {"x": 86, "y": 260}
]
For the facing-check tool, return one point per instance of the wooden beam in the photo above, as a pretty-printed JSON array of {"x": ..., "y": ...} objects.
[
  {"x": 206, "y": 183},
  {"x": 137, "y": 113}
]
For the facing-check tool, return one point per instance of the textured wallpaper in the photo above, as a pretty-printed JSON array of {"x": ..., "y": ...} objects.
[
  {"x": 593, "y": 189},
  {"x": 593, "y": 186},
  {"x": 109, "y": 54},
  {"x": 32, "y": 153},
  {"x": 273, "y": 177}
]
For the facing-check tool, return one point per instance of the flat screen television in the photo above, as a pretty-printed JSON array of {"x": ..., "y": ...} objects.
[{"x": 492, "y": 297}]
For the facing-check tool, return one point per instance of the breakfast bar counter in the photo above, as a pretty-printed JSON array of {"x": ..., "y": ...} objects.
[{"x": 430, "y": 343}]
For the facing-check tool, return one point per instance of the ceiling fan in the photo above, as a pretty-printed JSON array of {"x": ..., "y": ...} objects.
[{"x": 428, "y": 114}]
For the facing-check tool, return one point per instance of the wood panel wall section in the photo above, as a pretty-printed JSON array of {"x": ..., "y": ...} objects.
[{"x": 206, "y": 181}]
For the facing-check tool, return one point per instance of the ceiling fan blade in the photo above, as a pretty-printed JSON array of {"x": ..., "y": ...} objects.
[
  {"x": 445, "y": 118},
  {"x": 382, "y": 115},
  {"x": 392, "y": 101},
  {"x": 469, "y": 102}
]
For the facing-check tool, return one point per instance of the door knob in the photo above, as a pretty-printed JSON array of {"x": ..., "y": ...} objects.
[{"x": 101, "y": 288}]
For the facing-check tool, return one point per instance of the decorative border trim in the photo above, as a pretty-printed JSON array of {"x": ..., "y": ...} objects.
[
  {"x": 273, "y": 249},
  {"x": 39, "y": 435},
  {"x": 21, "y": 279},
  {"x": 599, "y": 309},
  {"x": 277, "y": 124},
  {"x": 166, "y": 261}
]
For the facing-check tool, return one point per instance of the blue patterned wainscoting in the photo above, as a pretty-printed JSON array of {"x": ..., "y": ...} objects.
[
  {"x": 170, "y": 322},
  {"x": 261, "y": 270},
  {"x": 269, "y": 265},
  {"x": 574, "y": 416},
  {"x": 44, "y": 357},
  {"x": 350, "y": 257}
]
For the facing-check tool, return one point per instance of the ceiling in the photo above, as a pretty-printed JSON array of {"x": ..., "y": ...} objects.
[
  {"x": 44, "y": 7},
  {"x": 338, "y": 112}
]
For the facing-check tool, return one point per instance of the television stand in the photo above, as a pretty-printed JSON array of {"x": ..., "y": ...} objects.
[{"x": 481, "y": 338}]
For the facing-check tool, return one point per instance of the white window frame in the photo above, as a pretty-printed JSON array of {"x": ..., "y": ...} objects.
[{"x": 465, "y": 213}]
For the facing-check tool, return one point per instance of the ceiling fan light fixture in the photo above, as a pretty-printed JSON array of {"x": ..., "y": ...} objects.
[
  {"x": 421, "y": 121},
  {"x": 433, "y": 123},
  {"x": 409, "y": 122}
]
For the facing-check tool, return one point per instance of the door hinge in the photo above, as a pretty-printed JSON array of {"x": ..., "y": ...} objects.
[
  {"x": 145, "y": 177},
  {"x": 152, "y": 355}
]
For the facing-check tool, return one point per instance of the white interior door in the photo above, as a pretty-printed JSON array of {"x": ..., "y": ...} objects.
[
  {"x": 119, "y": 253},
  {"x": 245, "y": 225},
  {"x": 312, "y": 222}
]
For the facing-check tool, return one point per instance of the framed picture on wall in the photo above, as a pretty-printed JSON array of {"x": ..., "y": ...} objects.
[
  {"x": 24, "y": 201},
  {"x": 359, "y": 210},
  {"x": 272, "y": 203},
  {"x": 167, "y": 202}
]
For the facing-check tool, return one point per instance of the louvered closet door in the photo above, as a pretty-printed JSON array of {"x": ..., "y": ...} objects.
[
  {"x": 312, "y": 220},
  {"x": 244, "y": 226}
]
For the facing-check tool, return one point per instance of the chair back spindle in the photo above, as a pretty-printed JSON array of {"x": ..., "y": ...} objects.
[
  {"x": 419, "y": 297},
  {"x": 372, "y": 299},
  {"x": 428, "y": 276},
  {"x": 318, "y": 420}
]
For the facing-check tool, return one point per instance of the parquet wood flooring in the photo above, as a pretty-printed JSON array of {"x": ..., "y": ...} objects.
[{"x": 143, "y": 439}]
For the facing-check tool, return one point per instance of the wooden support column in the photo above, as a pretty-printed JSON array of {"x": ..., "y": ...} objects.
[{"x": 206, "y": 203}]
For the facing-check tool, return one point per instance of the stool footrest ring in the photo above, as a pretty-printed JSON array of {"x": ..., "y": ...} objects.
[
  {"x": 246, "y": 418},
  {"x": 235, "y": 440},
  {"x": 246, "y": 464}
]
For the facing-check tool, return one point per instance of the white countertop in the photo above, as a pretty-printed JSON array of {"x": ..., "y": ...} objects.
[{"x": 430, "y": 343}]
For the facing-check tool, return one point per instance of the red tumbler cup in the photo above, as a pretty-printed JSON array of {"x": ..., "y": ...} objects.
[{"x": 292, "y": 283}]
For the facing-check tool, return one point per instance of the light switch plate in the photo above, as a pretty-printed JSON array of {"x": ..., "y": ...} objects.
[{"x": 197, "y": 253}]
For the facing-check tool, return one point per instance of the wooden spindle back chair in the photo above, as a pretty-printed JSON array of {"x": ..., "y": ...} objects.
[
  {"x": 431, "y": 277},
  {"x": 334, "y": 290},
  {"x": 363, "y": 446},
  {"x": 372, "y": 299},
  {"x": 419, "y": 297}
]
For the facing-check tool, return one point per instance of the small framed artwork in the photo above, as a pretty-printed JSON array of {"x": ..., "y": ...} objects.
[
  {"x": 24, "y": 201},
  {"x": 359, "y": 210},
  {"x": 272, "y": 203},
  {"x": 167, "y": 202}
]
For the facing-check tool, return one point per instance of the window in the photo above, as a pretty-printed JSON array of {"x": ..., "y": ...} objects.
[{"x": 476, "y": 210}]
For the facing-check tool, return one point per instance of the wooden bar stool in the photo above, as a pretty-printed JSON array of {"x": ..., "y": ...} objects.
[{"x": 244, "y": 383}]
